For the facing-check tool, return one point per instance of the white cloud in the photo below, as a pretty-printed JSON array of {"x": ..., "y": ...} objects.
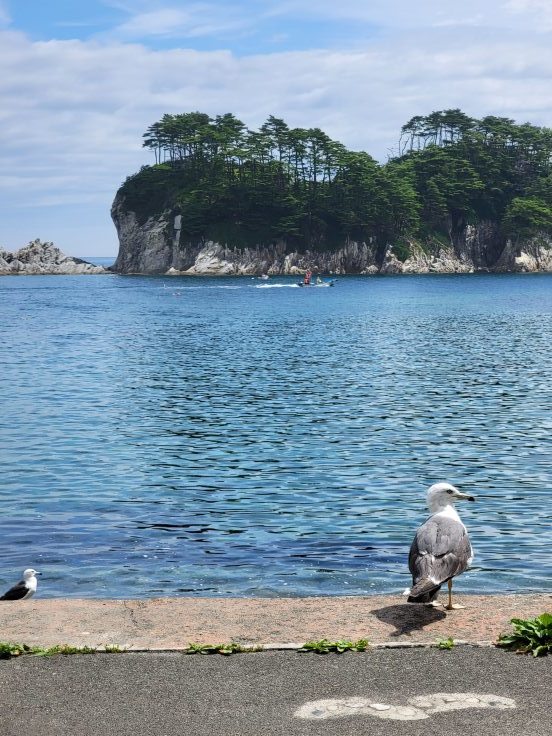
[
  {"x": 397, "y": 14},
  {"x": 156, "y": 17},
  {"x": 194, "y": 21},
  {"x": 537, "y": 12},
  {"x": 72, "y": 113}
]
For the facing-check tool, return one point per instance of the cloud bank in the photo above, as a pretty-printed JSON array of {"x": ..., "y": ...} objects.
[{"x": 72, "y": 113}]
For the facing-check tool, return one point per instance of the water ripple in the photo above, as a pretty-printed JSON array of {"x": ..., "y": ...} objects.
[{"x": 207, "y": 437}]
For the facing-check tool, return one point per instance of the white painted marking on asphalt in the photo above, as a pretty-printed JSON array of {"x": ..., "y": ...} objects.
[
  {"x": 418, "y": 708},
  {"x": 323, "y": 709},
  {"x": 441, "y": 702}
]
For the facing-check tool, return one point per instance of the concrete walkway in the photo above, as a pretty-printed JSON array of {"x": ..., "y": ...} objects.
[{"x": 173, "y": 623}]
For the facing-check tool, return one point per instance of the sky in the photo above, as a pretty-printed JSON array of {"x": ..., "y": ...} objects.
[{"x": 81, "y": 81}]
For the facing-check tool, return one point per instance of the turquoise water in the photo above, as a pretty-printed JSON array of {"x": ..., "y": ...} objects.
[
  {"x": 104, "y": 261},
  {"x": 227, "y": 436}
]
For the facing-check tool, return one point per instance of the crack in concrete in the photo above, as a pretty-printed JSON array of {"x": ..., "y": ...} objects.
[{"x": 131, "y": 614}]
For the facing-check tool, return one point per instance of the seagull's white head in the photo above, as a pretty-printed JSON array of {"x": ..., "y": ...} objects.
[
  {"x": 29, "y": 573},
  {"x": 444, "y": 494}
]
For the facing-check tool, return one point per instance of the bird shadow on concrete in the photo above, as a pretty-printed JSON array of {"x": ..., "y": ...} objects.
[{"x": 408, "y": 618}]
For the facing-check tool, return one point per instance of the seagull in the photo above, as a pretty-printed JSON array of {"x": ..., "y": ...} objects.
[
  {"x": 441, "y": 548},
  {"x": 24, "y": 588}
]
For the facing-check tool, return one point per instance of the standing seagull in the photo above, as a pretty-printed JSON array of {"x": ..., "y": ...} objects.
[
  {"x": 441, "y": 548},
  {"x": 24, "y": 588}
]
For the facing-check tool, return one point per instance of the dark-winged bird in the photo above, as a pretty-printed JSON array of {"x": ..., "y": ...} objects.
[
  {"x": 441, "y": 549},
  {"x": 24, "y": 588}
]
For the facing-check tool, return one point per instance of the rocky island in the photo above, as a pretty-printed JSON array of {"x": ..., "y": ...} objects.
[
  {"x": 461, "y": 195},
  {"x": 43, "y": 258}
]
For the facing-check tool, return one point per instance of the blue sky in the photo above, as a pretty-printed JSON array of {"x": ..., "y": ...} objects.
[
  {"x": 81, "y": 81},
  {"x": 253, "y": 27}
]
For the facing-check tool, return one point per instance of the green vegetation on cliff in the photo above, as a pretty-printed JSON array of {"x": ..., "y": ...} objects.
[{"x": 244, "y": 187}]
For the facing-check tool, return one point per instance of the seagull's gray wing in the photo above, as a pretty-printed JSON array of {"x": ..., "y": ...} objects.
[
  {"x": 16, "y": 593},
  {"x": 441, "y": 549}
]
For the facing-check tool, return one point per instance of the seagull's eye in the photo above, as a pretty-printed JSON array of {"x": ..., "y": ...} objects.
[{"x": 449, "y": 491}]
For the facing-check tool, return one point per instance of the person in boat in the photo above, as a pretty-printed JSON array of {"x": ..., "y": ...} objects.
[{"x": 307, "y": 278}]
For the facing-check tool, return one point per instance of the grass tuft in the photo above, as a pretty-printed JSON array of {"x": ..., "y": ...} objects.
[
  {"x": 113, "y": 649},
  {"x": 12, "y": 649},
  {"x": 225, "y": 649},
  {"x": 446, "y": 644},
  {"x": 324, "y": 646},
  {"x": 64, "y": 649}
]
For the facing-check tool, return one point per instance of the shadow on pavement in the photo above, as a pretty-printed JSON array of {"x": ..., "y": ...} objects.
[{"x": 408, "y": 618}]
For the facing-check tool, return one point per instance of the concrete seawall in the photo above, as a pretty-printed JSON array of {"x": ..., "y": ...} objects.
[{"x": 173, "y": 623}]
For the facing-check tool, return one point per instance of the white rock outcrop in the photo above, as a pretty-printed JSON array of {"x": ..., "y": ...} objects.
[
  {"x": 43, "y": 258},
  {"x": 443, "y": 259}
]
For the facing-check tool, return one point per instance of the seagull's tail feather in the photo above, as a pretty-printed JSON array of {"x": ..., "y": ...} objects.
[{"x": 424, "y": 591}]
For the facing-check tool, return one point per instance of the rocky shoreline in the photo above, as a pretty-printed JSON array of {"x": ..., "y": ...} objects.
[
  {"x": 156, "y": 246},
  {"x": 151, "y": 248},
  {"x": 38, "y": 258}
]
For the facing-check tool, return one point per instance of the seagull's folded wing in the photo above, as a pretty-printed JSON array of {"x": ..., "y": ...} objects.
[
  {"x": 14, "y": 594},
  {"x": 441, "y": 549}
]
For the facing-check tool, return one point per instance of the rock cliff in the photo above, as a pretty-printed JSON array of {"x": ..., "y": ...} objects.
[
  {"x": 43, "y": 258},
  {"x": 157, "y": 246}
]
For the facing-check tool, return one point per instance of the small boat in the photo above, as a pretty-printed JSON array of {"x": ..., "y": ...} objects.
[
  {"x": 318, "y": 284},
  {"x": 264, "y": 277}
]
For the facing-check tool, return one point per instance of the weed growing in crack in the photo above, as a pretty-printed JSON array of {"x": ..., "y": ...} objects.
[
  {"x": 324, "y": 646},
  {"x": 12, "y": 649},
  {"x": 225, "y": 649}
]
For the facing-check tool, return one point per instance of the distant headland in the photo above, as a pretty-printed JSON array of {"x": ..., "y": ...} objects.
[
  {"x": 459, "y": 195},
  {"x": 43, "y": 258}
]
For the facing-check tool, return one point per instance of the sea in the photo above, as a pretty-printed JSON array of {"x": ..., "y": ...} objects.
[{"x": 197, "y": 436}]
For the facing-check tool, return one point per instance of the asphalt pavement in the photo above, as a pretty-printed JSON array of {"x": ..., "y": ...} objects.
[{"x": 385, "y": 692}]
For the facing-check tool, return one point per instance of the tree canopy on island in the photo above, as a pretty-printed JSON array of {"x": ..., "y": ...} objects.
[{"x": 246, "y": 187}]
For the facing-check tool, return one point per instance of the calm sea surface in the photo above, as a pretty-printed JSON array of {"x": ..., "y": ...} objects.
[{"x": 229, "y": 436}]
